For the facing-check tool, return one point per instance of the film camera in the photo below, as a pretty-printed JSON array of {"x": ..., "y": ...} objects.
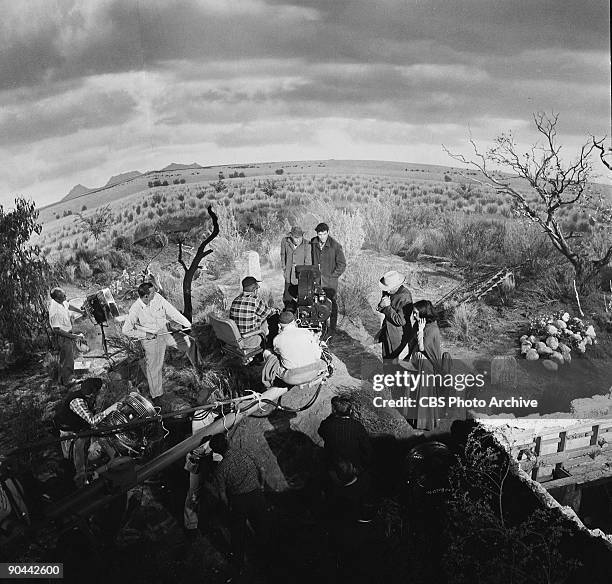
[
  {"x": 313, "y": 307},
  {"x": 101, "y": 306}
]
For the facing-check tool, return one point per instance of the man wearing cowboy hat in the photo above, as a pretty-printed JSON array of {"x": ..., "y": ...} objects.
[
  {"x": 396, "y": 305},
  {"x": 294, "y": 252}
]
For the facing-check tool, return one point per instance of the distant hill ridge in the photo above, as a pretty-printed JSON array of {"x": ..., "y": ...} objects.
[
  {"x": 128, "y": 183},
  {"x": 177, "y": 166},
  {"x": 119, "y": 178},
  {"x": 76, "y": 191}
]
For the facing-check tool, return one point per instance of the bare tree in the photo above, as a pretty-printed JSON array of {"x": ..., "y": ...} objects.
[
  {"x": 200, "y": 254},
  {"x": 603, "y": 154},
  {"x": 98, "y": 222},
  {"x": 556, "y": 184}
]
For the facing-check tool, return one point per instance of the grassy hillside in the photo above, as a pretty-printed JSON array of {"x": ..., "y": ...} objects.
[{"x": 424, "y": 195}]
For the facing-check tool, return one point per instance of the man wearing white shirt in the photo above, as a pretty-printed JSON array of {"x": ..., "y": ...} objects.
[
  {"x": 296, "y": 352},
  {"x": 60, "y": 321},
  {"x": 148, "y": 321}
]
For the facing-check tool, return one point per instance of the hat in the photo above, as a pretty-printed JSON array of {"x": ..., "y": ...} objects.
[
  {"x": 391, "y": 280},
  {"x": 297, "y": 232},
  {"x": 322, "y": 227},
  {"x": 286, "y": 317},
  {"x": 91, "y": 384},
  {"x": 250, "y": 283}
]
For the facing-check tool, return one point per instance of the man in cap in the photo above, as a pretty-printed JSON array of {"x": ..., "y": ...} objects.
[
  {"x": 328, "y": 256},
  {"x": 297, "y": 354},
  {"x": 294, "y": 252},
  {"x": 75, "y": 414},
  {"x": 60, "y": 321},
  {"x": 148, "y": 320},
  {"x": 396, "y": 305},
  {"x": 250, "y": 312}
]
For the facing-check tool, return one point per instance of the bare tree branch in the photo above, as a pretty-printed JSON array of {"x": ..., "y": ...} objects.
[{"x": 556, "y": 184}]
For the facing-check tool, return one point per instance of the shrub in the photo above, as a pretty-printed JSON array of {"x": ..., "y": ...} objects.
[
  {"x": 273, "y": 257},
  {"x": 84, "y": 271},
  {"x": 347, "y": 227},
  {"x": 223, "y": 259},
  {"x": 172, "y": 287},
  {"x": 21, "y": 419},
  {"x": 119, "y": 259},
  {"x": 395, "y": 243},
  {"x": 101, "y": 266},
  {"x": 429, "y": 241},
  {"x": 378, "y": 222},
  {"x": 488, "y": 541},
  {"x": 354, "y": 288},
  {"x": 85, "y": 254},
  {"x": 69, "y": 273},
  {"x": 462, "y": 322},
  {"x": 123, "y": 242}
]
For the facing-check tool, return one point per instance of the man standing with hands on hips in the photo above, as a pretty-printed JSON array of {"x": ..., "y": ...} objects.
[
  {"x": 328, "y": 256},
  {"x": 148, "y": 320}
]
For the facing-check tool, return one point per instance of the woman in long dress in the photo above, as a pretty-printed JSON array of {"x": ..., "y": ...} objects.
[{"x": 422, "y": 354}]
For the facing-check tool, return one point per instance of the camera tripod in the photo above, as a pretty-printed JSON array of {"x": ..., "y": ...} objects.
[{"x": 105, "y": 352}]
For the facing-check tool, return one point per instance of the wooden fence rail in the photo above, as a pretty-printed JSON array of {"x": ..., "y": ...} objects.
[{"x": 576, "y": 455}]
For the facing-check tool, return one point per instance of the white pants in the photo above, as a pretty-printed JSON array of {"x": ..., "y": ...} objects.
[{"x": 155, "y": 351}]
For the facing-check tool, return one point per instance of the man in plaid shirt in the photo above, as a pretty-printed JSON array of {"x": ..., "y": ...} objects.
[
  {"x": 250, "y": 312},
  {"x": 75, "y": 414}
]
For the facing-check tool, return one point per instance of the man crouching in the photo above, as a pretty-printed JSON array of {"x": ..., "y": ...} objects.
[{"x": 296, "y": 357}]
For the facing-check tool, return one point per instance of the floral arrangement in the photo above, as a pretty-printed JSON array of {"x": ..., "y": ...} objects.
[{"x": 554, "y": 337}]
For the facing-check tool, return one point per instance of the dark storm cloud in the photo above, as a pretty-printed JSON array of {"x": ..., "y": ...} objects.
[
  {"x": 472, "y": 26},
  {"x": 44, "y": 120},
  {"x": 235, "y": 73},
  {"x": 123, "y": 35}
]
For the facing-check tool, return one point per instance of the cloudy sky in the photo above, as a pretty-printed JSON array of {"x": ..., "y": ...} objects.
[{"x": 92, "y": 88}]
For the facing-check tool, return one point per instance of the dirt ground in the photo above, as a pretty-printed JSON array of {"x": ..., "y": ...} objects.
[{"x": 151, "y": 546}]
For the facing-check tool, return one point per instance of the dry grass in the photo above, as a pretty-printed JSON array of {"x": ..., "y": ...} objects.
[
  {"x": 462, "y": 322},
  {"x": 354, "y": 288}
]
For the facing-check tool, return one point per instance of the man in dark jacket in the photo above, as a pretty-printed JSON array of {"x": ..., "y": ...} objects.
[
  {"x": 396, "y": 305},
  {"x": 345, "y": 437},
  {"x": 328, "y": 256}
]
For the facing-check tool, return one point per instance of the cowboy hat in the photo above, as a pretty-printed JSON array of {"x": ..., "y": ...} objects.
[{"x": 391, "y": 280}]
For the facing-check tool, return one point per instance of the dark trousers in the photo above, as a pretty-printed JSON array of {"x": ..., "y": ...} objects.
[
  {"x": 249, "y": 507},
  {"x": 290, "y": 295},
  {"x": 66, "y": 359},
  {"x": 333, "y": 318}
]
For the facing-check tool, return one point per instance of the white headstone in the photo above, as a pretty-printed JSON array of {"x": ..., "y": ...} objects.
[
  {"x": 248, "y": 265},
  {"x": 253, "y": 265}
]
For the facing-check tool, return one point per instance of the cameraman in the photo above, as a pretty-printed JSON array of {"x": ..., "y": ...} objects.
[{"x": 297, "y": 352}]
